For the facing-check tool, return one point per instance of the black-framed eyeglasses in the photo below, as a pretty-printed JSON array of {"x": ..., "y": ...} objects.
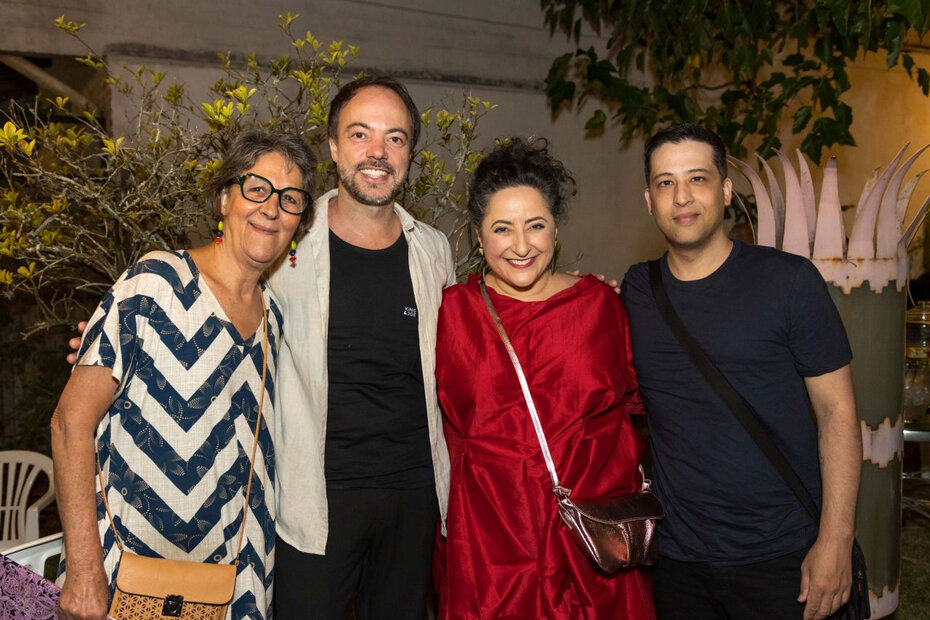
[{"x": 258, "y": 189}]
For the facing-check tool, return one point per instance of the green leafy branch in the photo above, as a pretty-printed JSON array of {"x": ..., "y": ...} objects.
[
  {"x": 79, "y": 205},
  {"x": 438, "y": 187},
  {"x": 742, "y": 68}
]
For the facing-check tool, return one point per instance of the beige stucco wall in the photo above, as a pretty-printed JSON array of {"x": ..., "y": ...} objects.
[{"x": 497, "y": 49}]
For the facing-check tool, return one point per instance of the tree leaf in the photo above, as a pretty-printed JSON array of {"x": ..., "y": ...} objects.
[
  {"x": 801, "y": 118},
  {"x": 923, "y": 79},
  {"x": 894, "y": 37},
  {"x": 596, "y": 121},
  {"x": 915, "y": 11},
  {"x": 560, "y": 93}
]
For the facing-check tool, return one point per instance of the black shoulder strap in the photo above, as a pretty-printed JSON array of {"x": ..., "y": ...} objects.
[{"x": 740, "y": 407}]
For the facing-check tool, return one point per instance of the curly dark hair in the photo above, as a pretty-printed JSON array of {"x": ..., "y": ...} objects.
[
  {"x": 245, "y": 151},
  {"x": 515, "y": 163}
]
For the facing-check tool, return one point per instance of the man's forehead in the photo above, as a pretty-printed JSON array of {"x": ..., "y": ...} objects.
[
  {"x": 685, "y": 148},
  {"x": 690, "y": 154},
  {"x": 373, "y": 101}
]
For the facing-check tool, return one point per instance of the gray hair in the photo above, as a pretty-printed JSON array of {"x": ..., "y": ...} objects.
[{"x": 245, "y": 151}]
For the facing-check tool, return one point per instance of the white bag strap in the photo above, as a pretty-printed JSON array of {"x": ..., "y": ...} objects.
[{"x": 557, "y": 488}]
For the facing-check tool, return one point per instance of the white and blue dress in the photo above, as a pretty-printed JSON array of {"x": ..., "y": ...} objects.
[{"x": 175, "y": 444}]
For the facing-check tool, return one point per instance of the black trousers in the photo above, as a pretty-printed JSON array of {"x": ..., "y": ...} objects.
[
  {"x": 377, "y": 562},
  {"x": 762, "y": 591}
]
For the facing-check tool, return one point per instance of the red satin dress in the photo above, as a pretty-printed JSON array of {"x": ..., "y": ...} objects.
[{"x": 507, "y": 553}]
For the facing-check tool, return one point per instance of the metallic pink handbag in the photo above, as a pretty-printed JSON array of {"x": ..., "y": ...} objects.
[{"x": 615, "y": 532}]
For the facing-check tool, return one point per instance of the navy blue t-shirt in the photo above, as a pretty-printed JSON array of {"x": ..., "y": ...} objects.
[{"x": 766, "y": 320}]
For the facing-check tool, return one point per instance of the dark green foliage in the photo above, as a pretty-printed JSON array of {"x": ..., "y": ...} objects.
[
  {"x": 739, "y": 67},
  {"x": 33, "y": 374}
]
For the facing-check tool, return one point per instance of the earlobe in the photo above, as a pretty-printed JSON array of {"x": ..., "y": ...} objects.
[
  {"x": 224, "y": 197},
  {"x": 727, "y": 191}
]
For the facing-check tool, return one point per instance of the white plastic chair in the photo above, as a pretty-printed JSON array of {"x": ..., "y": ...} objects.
[
  {"x": 19, "y": 521},
  {"x": 34, "y": 554}
]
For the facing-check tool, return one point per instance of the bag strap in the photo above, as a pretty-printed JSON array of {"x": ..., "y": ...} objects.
[
  {"x": 258, "y": 423},
  {"x": 557, "y": 488},
  {"x": 739, "y": 406}
]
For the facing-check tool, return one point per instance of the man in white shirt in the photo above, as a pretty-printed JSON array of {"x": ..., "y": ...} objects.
[{"x": 362, "y": 467}]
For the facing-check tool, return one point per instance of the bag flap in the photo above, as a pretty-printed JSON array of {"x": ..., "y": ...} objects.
[
  {"x": 621, "y": 509},
  {"x": 212, "y": 584}
]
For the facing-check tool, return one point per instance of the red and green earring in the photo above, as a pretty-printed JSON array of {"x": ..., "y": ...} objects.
[
  {"x": 293, "y": 253},
  {"x": 219, "y": 232}
]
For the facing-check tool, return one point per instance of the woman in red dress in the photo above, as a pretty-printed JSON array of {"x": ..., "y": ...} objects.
[{"x": 507, "y": 553}]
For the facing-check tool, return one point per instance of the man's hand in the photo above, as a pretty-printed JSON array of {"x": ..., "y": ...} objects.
[
  {"x": 75, "y": 343},
  {"x": 826, "y": 577},
  {"x": 826, "y": 574},
  {"x": 600, "y": 276},
  {"x": 84, "y": 595}
]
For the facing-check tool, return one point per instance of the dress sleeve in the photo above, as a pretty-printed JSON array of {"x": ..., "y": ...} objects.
[
  {"x": 110, "y": 337},
  {"x": 634, "y": 403},
  {"x": 817, "y": 337}
]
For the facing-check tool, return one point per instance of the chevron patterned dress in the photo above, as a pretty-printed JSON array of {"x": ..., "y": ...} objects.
[{"x": 175, "y": 444}]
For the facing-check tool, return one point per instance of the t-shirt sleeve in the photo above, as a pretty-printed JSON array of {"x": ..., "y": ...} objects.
[
  {"x": 817, "y": 337},
  {"x": 110, "y": 337},
  {"x": 631, "y": 288}
]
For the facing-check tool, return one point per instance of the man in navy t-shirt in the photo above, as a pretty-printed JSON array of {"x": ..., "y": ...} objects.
[{"x": 736, "y": 543}]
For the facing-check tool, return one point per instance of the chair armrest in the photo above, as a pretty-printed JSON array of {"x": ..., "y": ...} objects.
[{"x": 32, "y": 512}]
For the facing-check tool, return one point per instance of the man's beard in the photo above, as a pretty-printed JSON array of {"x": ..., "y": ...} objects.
[{"x": 347, "y": 180}]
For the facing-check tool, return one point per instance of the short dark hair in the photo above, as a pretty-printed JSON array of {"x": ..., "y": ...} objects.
[
  {"x": 351, "y": 89},
  {"x": 245, "y": 151},
  {"x": 516, "y": 163},
  {"x": 676, "y": 134}
]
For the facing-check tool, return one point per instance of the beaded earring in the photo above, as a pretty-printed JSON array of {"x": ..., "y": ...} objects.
[
  {"x": 293, "y": 253},
  {"x": 219, "y": 232}
]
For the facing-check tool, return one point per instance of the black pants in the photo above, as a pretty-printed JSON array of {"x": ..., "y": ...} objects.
[
  {"x": 377, "y": 562},
  {"x": 761, "y": 591}
]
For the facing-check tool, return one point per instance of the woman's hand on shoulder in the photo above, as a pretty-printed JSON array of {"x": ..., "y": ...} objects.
[
  {"x": 84, "y": 595},
  {"x": 75, "y": 343},
  {"x": 600, "y": 276}
]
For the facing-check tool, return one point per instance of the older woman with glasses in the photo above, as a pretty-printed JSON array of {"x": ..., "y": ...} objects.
[{"x": 175, "y": 366}]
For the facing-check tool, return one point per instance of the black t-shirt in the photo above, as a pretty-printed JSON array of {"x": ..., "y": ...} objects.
[
  {"x": 767, "y": 321},
  {"x": 376, "y": 430}
]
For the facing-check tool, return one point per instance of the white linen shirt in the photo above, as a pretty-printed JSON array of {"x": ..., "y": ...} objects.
[{"x": 303, "y": 377}]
